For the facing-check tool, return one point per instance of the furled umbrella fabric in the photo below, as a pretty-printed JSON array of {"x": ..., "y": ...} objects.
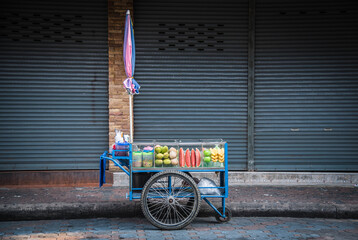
[{"x": 129, "y": 57}]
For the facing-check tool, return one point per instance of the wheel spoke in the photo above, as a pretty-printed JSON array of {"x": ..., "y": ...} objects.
[
  {"x": 161, "y": 209},
  {"x": 186, "y": 209},
  {"x": 157, "y": 190}
]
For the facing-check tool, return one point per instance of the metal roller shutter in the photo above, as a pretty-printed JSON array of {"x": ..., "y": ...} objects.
[
  {"x": 306, "y": 85},
  {"x": 192, "y": 66},
  {"x": 53, "y": 84}
]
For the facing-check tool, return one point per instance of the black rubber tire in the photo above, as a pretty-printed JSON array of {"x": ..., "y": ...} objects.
[
  {"x": 228, "y": 215},
  {"x": 196, "y": 200}
]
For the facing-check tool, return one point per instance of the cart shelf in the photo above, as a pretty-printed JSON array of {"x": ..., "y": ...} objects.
[{"x": 198, "y": 169}]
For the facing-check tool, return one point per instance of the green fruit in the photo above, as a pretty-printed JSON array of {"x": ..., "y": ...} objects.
[
  {"x": 158, "y": 149},
  {"x": 207, "y": 153},
  {"x": 158, "y": 162},
  {"x": 164, "y": 149},
  {"x": 207, "y": 159},
  {"x": 159, "y": 156},
  {"x": 166, "y": 155},
  {"x": 167, "y": 161}
]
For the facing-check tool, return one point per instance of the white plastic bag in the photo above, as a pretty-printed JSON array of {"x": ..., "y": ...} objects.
[
  {"x": 206, "y": 182},
  {"x": 119, "y": 137}
]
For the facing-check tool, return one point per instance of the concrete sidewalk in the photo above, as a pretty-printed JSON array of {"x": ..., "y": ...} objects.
[{"x": 91, "y": 202}]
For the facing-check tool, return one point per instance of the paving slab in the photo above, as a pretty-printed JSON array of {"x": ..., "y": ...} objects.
[{"x": 201, "y": 228}]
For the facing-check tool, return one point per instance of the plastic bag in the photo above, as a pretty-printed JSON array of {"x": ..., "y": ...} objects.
[
  {"x": 206, "y": 182},
  {"x": 119, "y": 137}
]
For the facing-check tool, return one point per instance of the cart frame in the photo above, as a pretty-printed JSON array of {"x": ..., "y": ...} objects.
[{"x": 125, "y": 162}]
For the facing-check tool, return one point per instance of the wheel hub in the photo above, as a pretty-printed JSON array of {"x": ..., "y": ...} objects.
[{"x": 171, "y": 200}]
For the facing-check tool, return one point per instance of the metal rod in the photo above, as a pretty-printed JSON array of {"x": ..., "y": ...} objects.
[
  {"x": 131, "y": 118},
  {"x": 223, "y": 206},
  {"x": 118, "y": 165},
  {"x": 251, "y": 88},
  {"x": 226, "y": 175},
  {"x": 213, "y": 207}
]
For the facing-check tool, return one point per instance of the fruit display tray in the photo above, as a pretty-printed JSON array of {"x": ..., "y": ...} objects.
[{"x": 183, "y": 169}]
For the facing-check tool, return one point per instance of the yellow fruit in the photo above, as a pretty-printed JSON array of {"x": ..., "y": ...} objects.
[{"x": 221, "y": 151}]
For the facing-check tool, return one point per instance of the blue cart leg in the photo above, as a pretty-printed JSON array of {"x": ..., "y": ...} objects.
[{"x": 223, "y": 206}]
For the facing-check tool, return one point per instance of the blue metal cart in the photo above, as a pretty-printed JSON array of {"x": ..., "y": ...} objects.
[{"x": 170, "y": 197}]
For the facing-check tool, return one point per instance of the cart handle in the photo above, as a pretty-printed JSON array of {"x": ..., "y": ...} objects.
[{"x": 102, "y": 167}]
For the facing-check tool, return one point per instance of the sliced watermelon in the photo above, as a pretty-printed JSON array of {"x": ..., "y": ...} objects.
[
  {"x": 187, "y": 158},
  {"x": 181, "y": 158},
  {"x": 197, "y": 157},
  {"x": 192, "y": 157}
]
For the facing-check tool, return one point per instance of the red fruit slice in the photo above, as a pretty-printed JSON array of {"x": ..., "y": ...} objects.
[
  {"x": 181, "y": 158},
  {"x": 187, "y": 158},
  {"x": 193, "y": 158},
  {"x": 197, "y": 158}
]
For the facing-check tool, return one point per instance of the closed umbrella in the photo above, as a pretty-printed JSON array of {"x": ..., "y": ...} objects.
[{"x": 130, "y": 84}]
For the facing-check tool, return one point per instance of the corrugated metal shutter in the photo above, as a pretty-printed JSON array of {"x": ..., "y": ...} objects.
[
  {"x": 53, "y": 84},
  {"x": 192, "y": 67},
  {"x": 306, "y": 85}
]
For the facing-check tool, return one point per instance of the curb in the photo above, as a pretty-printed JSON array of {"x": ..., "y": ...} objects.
[
  {"x": 127, "y": 209},
  {"x": 120, "y": 179}
]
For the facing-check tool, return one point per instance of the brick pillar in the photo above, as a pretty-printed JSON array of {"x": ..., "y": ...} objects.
[{"x": 118, "y": 98}]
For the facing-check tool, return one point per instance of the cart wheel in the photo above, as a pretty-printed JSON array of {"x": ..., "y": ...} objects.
[
  {"x": 170, "y": 200},
  {"x": 228, "y": 215}
]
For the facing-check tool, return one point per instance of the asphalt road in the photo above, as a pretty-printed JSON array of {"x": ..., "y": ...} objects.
[{"x": 200, "y": 228}]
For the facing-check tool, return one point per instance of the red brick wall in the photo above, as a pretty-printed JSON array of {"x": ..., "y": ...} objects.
[{"x": 118, "y": 98}]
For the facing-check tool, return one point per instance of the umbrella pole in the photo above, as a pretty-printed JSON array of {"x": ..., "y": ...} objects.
[{"x": 131, "y": 117}]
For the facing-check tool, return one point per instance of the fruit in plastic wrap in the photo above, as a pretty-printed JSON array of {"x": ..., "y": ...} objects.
[
  {"x": 158, "y": 149},
  {"x": 181, "y": 158},
  {"x": 158, "y": 163},
  {"x": 164, "y": 149},
  {"x": 167, "y": 162},
  {"x": 214, "y": 154},
  {"x": 173, "y": 153},
  {"x": 174, "y": 161},
  {"x": 159, "y": 156},
  {"x": 197, "y": 158},
  {"x": 192, "y": 158},
  {"x": 221, "y": 155},
  {"x": 207, "y": 153},
  {"x": 187, "y": 158}
]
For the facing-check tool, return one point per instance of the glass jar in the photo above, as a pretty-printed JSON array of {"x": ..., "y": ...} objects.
[
  {"x": 137, "y": 158},
  {"x": 148, "y": 158}
]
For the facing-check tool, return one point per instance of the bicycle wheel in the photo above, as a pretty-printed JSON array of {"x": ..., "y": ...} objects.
[{"x": 170, "y": 200}]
